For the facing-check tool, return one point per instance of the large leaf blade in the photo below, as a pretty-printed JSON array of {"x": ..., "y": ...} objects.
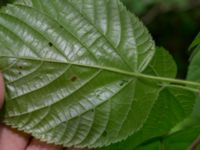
[{"x": 66, "y": 76}]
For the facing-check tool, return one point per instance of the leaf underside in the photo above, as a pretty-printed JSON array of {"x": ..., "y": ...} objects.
[
  {"x": 65, "y": 64},
  {"x": 56, "y": 59}
]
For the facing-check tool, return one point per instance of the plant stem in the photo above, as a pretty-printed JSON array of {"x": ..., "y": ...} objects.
[
  {"x": 181, "y": 87},
  {"x": 170, "y": 80},
  {"x": 194, "y": 145}
]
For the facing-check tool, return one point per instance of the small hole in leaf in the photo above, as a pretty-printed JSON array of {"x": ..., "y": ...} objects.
[
  {"x": 105, "y": 133},
  {"x": 50, "y": 44},
  {"x": 74, "y": 78}
]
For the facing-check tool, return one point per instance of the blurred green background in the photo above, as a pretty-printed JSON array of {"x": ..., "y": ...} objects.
[{"x": 172, "y": 23}]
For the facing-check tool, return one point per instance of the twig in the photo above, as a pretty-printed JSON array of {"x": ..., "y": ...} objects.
[{"x": 194, "y": 145}]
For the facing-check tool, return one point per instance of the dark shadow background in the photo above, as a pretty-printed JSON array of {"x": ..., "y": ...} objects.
[{"x": 172, "y": 23}]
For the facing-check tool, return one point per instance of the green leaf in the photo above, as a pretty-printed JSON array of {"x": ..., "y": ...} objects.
[
  {"x": 188, "y": 129},
  {"x": 196, "y": 42},
  {"x": 159, "y": 123},
  {"x": 179, "y": 141},
  {"x": 70, "y": 69},
  {"x": 159, "y": 66},
  {"x": 183, "y": 139},
  {"x": 171, "y": 107},
  {"x": 194, "y": 71}
]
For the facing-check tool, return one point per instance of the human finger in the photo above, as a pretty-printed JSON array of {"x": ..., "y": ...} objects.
[{"x": 38, "y": 145}]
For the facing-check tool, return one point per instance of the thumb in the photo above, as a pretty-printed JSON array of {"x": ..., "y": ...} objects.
[{"x": 1, "y": 90}]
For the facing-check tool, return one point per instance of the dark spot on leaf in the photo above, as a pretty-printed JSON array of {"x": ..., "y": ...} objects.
[
  {"x": 123, "y": 82},
  {"x": 19, "y": 73},
  {"x": 105, "y": 133},
  {"x": 92, "y": 110},
  {"x": 61, "y": 26},
  {"x": 50, "y": 44},
  {"x": 73, "y": 79},
  {"x": 20, "y": 67}
]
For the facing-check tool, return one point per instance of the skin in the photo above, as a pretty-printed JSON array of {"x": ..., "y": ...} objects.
[{"x": 10, "y": 139}]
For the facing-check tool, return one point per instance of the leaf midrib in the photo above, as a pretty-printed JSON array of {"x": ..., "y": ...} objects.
[
  {"x": 115, "y": 70},
  {"x": 173, "y": 82}
]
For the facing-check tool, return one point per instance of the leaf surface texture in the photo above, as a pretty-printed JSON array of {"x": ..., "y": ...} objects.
[{"x": 67, "y": 66}]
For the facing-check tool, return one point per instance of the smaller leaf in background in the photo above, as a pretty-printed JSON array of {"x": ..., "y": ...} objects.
[
  {"x": 178, "y": 141},
  {"x": 159, "y": 65},
  {"x": 196, "y": 42},
  {"x": 189, "y": 129},
  {"x": 171, "y": 108},
  {"x": 194, "y": 68},
  {"x": 182, "y": 140},
  {"x": 194, "y": 47},
  {"x": 196, "y": 109},
  {"x": 189, "y": 133},
  {"x": 194, "y": 71}
]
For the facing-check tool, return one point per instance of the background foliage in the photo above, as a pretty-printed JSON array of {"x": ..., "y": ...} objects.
[{"x": 173, "y": 24}]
